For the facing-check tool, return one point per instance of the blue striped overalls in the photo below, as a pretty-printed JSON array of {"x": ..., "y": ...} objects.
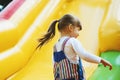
[{"x": 64, "y": 69}]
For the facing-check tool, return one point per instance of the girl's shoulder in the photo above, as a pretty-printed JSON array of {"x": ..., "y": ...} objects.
[{"x": 72, "y": 39}]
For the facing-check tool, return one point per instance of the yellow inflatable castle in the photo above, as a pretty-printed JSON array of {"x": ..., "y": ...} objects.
[{"x": 22, "y": 22}]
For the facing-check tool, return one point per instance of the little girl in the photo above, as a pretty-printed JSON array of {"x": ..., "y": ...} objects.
[{"x": 68, "y": 51}]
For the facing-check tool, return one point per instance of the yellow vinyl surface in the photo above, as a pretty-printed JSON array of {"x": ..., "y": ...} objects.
[
  {"x": 13, "y": 29},
  {"x": 22, "y": 62}
]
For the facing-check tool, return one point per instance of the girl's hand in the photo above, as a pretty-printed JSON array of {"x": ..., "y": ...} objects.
[{"x": 106, "y": 63}]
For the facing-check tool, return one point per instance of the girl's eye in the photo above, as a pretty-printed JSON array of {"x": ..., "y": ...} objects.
[{"x": 78, "y": 28}]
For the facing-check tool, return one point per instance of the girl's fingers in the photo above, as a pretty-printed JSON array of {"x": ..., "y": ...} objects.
[
  {"x": 110, "y": 67},
  {"x": 106, "y": 63}
]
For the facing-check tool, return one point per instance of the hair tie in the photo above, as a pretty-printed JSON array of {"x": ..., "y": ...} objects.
[{"x": 58, "y": 20}]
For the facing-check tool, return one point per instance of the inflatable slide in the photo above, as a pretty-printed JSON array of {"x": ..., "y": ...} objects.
[
  {"x": 100, "y": 36},
  {"x": 16, "y": 18}
]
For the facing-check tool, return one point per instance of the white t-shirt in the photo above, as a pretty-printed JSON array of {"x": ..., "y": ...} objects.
[{"x": 73, "y": 50}]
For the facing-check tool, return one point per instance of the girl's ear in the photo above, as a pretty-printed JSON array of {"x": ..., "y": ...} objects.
[{"x": 70, "y": 27}]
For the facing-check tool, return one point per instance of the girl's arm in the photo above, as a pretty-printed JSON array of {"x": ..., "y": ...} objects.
[
  {"x": 89, "y": 57},
  {"x": 82, "y": 53}
]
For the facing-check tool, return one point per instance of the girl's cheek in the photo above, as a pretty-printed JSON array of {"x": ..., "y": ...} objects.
[{"x": 77, "y": 32}]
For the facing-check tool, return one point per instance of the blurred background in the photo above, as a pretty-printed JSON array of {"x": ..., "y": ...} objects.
[{"x": 22, "y": 22}]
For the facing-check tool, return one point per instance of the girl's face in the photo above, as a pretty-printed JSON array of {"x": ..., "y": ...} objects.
[{"x": 75, "y": 32}]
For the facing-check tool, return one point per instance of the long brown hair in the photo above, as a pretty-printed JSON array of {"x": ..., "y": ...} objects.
[{"x": 62, "y": 23}]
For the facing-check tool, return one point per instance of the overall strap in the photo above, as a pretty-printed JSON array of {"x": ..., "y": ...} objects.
[
  {"x": 80, "y": 62},
  {"x": 59, "y": 55},
  {"x": 65, "y": 41},
  {"x": 63, "y": 45},
  {"x": 81, "y": 72}
]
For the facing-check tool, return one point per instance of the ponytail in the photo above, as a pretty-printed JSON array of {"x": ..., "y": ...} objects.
[{"x": 49, "y": 35}]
